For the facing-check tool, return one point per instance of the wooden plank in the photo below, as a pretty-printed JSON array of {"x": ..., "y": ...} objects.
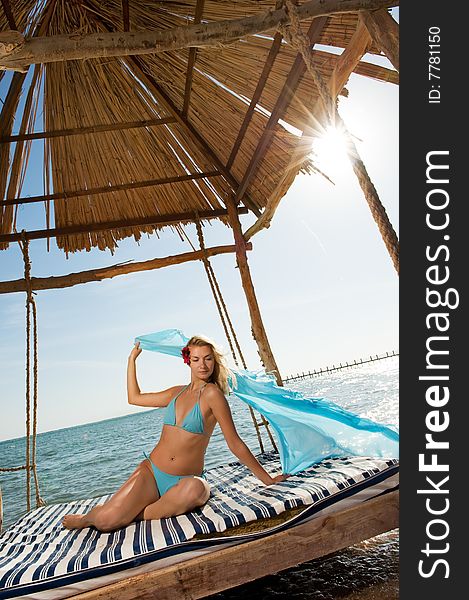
[
  {"x": 222, "y": 569},
  {"x": 296, "y": 73},
  {"x": 384, "y": 31},
  {"x": 63, "y": 281},
  {"x": 109, "y": 188},
  {"x": 41, "y": 135},
  {"x": 199, "y": 9},
  {"x": 163, "y": 220}
]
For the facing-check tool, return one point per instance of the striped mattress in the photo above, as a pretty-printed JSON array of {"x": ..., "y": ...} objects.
[{"x": 40, "y": 559}]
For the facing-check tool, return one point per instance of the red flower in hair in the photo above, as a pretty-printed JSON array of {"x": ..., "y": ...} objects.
[{"x": 186, "y": 355}]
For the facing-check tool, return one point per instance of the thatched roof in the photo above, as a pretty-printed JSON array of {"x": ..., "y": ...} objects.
[{"x": 181, "y": 112}]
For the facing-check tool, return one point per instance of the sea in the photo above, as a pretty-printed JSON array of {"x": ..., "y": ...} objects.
[{"x": 94, "y": 459}]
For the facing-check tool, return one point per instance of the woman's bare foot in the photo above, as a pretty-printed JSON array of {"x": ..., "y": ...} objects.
[{"x": 74, "y": 522}]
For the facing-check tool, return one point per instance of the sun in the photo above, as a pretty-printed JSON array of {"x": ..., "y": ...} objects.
[{"x": 330, "y": 152}]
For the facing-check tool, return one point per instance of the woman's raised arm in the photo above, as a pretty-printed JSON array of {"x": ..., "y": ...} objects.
[
  {"x": 222, "y": 413},
  {"x": 135, "y": 396}
]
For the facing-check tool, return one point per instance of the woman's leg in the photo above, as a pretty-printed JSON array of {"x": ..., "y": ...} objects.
[
  {"x": 183, "y": 497},
  {"x": 123, "y": 507}
]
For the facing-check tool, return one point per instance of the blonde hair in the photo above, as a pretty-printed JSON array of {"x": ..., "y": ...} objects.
[{"x": 221, "y": 372}]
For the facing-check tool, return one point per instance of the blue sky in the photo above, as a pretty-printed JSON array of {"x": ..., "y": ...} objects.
[{"x": 325, "y": 283}]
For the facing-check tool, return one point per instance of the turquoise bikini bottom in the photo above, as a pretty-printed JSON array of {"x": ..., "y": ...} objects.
[{"x": 165, "y": 481}]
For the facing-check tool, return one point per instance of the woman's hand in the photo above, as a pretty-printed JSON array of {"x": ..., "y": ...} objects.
[
  {"x": 136, "y": 351},
  {"x": 277, "y": 479}
]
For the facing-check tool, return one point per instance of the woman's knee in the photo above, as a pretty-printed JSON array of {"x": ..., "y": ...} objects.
[
  {"x": 107, "y": 520},
  {"x": 206, "y": 489},
  {"x": 196, "y": 491}
]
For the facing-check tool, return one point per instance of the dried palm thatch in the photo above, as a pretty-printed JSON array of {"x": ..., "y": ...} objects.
[{"x": 143, "y": 142}]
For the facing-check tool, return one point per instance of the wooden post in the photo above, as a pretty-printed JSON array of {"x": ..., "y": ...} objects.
[
  {"x": 258, "y": 330},
  {"x": 384, "y": 31}
]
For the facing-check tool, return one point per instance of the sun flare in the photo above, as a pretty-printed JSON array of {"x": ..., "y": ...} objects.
[{"x": 330, "y": 151}]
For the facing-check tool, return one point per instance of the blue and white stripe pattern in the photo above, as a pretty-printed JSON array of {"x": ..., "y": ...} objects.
[{"x": 37, "y": 553}]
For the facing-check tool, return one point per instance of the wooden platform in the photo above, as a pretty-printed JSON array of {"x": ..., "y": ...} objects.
[{"x": 223, "y": 569}]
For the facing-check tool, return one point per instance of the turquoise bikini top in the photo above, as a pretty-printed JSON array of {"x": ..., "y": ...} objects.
[{"x": 193, "y": 421}]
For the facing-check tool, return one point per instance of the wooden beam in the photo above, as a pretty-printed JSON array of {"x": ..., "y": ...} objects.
[
  {"x": 63, "y": 281},
  {"x": 349, "y": 59},
  {"x": 109, "y": 188},
  {"x": 294, "y": 77},
  {"x": 199, "y": 9},
  {"x": 167, "y": 102},
  {"x": 243, "y": 562},
  {"x": 257, "y": 325},
  {"x": 9, "y": 14},
  {"x": 344, "y": 66},
  {"x": 162, "y": 220},
  {"x": 125, "y": 15},
  {"x": 288, "y": 177},
  {"x": 138, "y": 68},
  {"x": 384, "y": 31},
  {"x": 18, "y": 56},
  {"x": 377, "y": 72},
  {"x": 274, "y": 50},
  {"x": 40, "y": 135}
]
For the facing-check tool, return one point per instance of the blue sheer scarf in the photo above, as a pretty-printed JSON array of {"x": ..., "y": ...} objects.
[{"x": 307, "y": 429}]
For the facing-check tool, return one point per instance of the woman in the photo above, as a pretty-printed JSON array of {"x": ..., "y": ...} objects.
[{"x": 169, "y": 482}]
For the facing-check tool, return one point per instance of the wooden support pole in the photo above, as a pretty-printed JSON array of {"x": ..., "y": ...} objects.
[
  {"x": 384, "y": 31},
  {"x": 19, "y": 53},
  {"x": 258, "y": 330},
  {"x": 63, "y": 281}
]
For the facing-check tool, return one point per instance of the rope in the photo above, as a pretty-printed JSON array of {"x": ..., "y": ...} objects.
[
  {"x": 226, "y": 322},
  {"x": 219, "y": 298},
  {"x": 11, "y": 469},
  {"x": 30, "y": 308},
  {"x": 294, "y": 35},
  {"x": 27, "y": 278}
]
